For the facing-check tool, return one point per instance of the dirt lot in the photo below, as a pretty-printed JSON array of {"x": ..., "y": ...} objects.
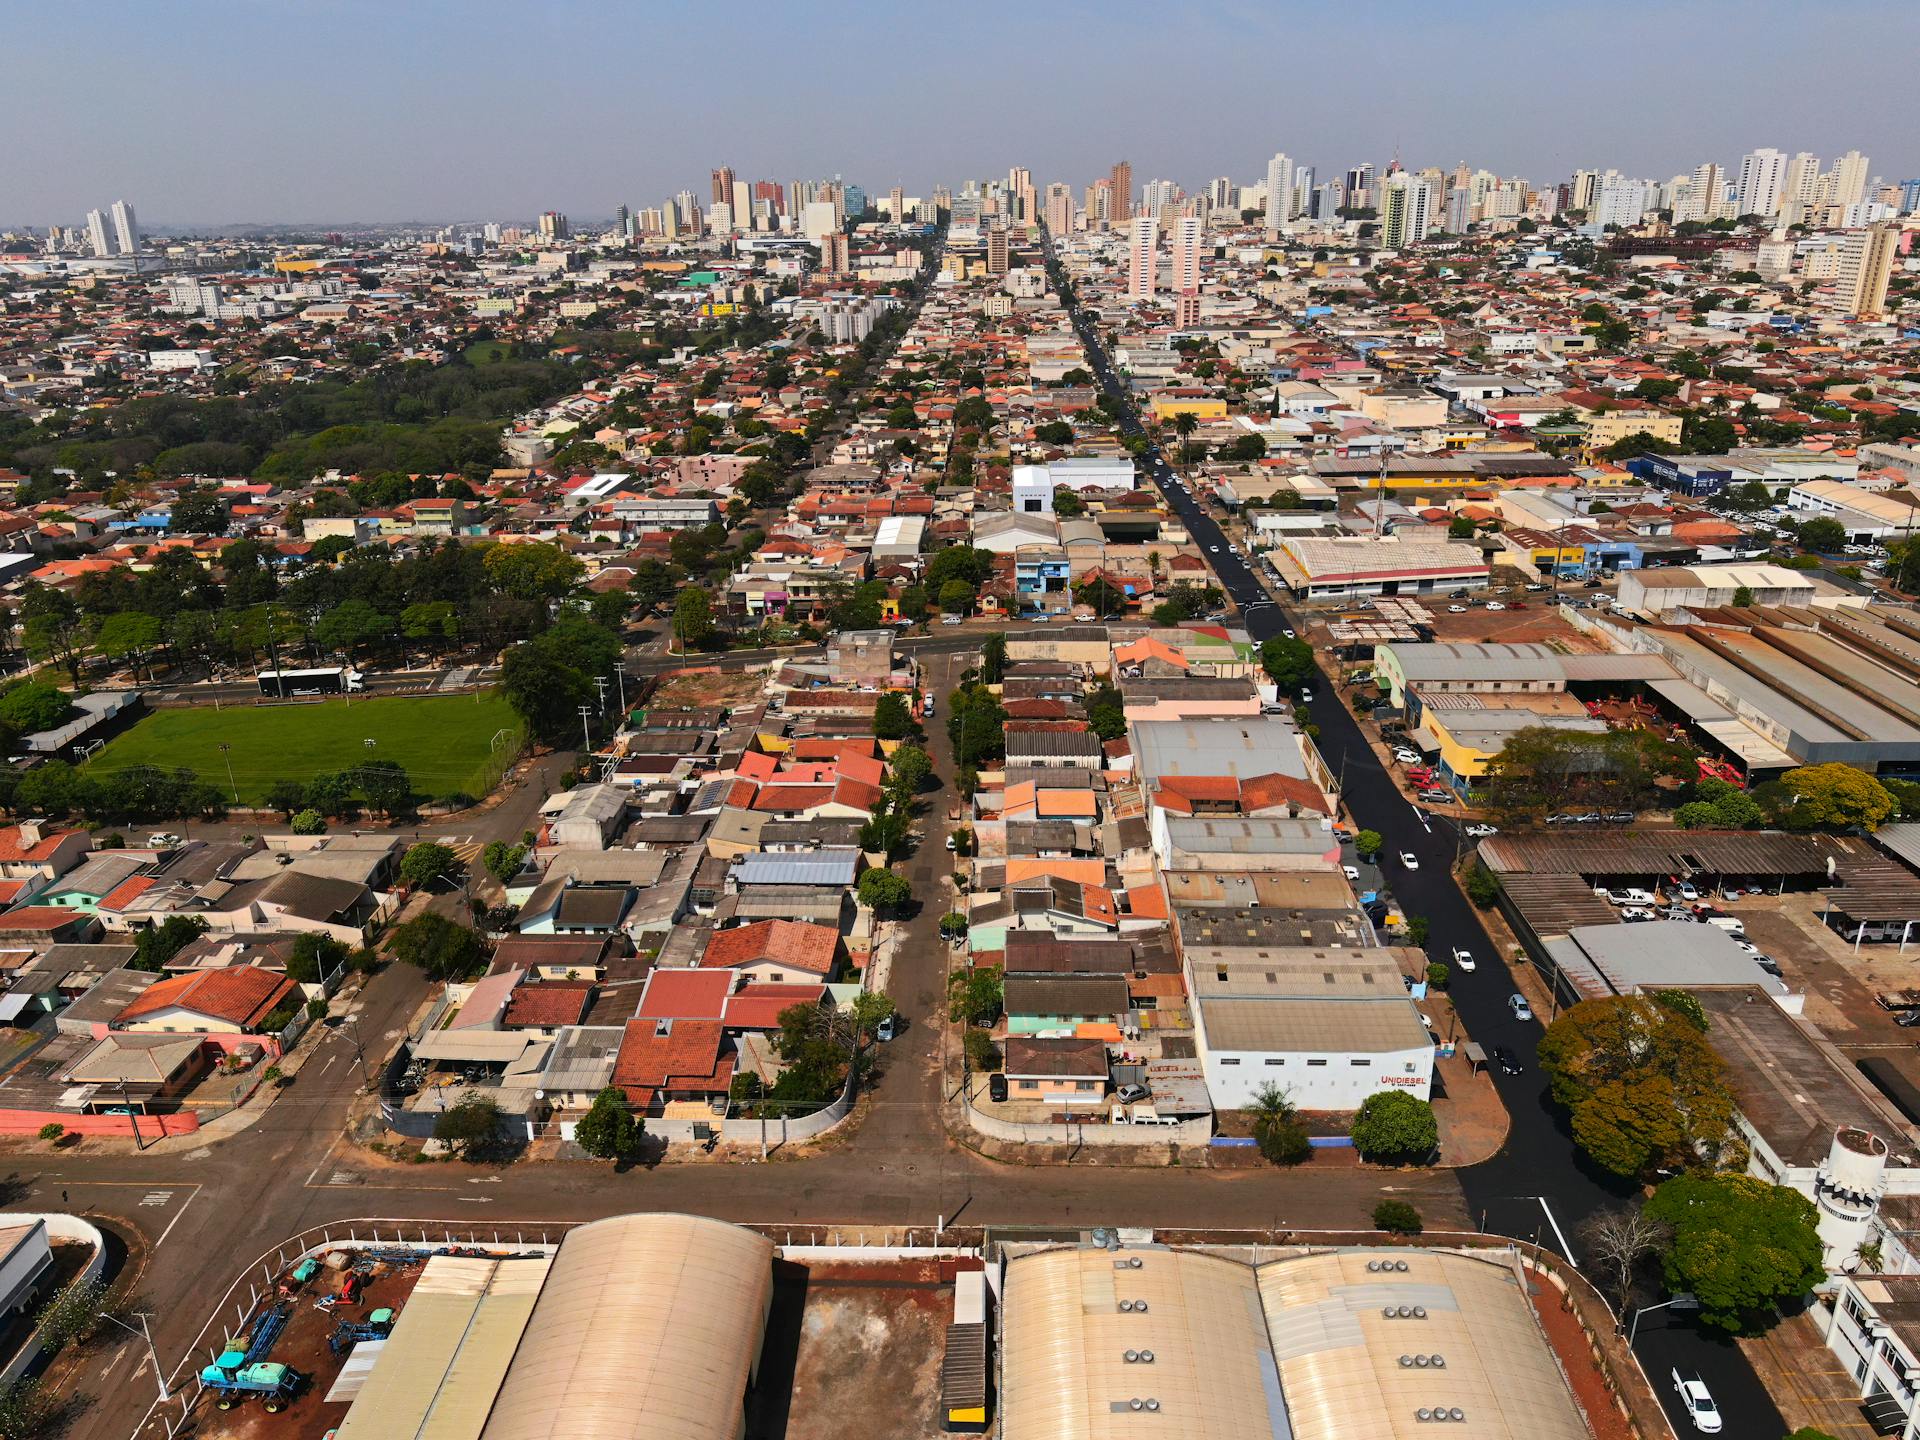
[
  {"x": 1539, "y": 622},
  {"x": 853, "y": 1345},
  {"x": 682, "y": 688}
]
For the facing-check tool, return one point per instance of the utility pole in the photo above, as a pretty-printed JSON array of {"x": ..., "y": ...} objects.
[
  {"x": 159, "y": 1375},
  {"x": 586, "y": 734},
  {"x": 226, "y": 753}
]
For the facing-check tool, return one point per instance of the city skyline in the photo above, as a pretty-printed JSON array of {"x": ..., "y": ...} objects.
[{"x": 414, "y": 120}]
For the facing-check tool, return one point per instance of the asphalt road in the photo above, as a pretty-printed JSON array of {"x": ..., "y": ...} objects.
[{"x": 1538, "y": 1186}]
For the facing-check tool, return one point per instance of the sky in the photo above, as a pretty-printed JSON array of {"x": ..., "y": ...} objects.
[{"x": 205, "y": 112}]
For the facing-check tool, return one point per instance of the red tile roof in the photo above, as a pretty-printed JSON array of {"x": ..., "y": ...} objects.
[
  {"x": 688, "y": 1058},
  {"x": 547, "y": 1003},
  {"x": 685, "y": 995},
  {"x": 792, "y": 943},
  {"x": 12, "y": 848},
  {"x": 126, "y": 892},
  {"x": 240, "y": 995},
  {"x": 758, "y": 1007}
]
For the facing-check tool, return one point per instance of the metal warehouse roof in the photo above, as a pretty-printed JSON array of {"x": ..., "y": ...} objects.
[
  {"x": 647, "y": 1329},
  {"x": 1654, "y": 854},
  {"x": 816, "y": 867},
  {"x": 1313, "y": 1026}
]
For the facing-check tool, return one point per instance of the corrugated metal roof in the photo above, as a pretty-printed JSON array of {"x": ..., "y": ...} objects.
[
  {"x": 820, "y": 867},
  {"x": 1648, "y": 853},
  {"x": 647, "y": 1330},
  {"x": 1316, "y": 1027}
]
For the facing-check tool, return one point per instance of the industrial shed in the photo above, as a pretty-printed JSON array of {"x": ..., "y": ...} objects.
[{"x": 649, "y": 1328}]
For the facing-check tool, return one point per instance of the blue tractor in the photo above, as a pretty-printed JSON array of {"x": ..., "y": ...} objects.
[{"x": 275, "y": 1384}]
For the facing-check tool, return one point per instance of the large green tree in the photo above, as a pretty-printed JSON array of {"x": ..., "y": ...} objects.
[
  {"x": 1645, "y": 1089},
  {"x": 1740, "y": 1245},
  {"x": 1288, "y": 662},
  {"x": 609, "y": 1129},
  {"x": 1394, "y": 1126},
  {"x": 1834, "y": 795},
  {"x": 440, "y": 948}
]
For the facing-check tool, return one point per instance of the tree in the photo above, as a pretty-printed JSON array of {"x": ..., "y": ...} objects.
[
  {"x": 1368, "y": 843},
  {"x": 993, "y": 658},
  {"x": 545, "y": 689},
  {"x": 610, "y": 1130},
  {"x": 1106, "y": 713},
  {"x": 470, "y": 1125},
  {"x": 1482, "y": 886},
  {"x": 73, "y": 1314},
  {"x": 1276, "y": 1127},
  {"x": 1835, "y": 795},
  {"x": 884, "y": 890},
  {"x": 1102, "y": 595},
  {"x": 157, "y": 944},
  {"x": 427, "y": 862},
  {"x": 33, "y": 705},
  {"x": 532, "y": 571},
  {"x": 975, "y": 994},
  {"x": 907, "y": 770},
  {"x": 1288, "y": 662},
  {"x": 1461, "y": 527},
  {"x": 385, "y": 786},
  {"x": 440, "y": 948},
  {"x": 1541, "y": 768},
  {"x": 350, "y": 625},
  {"x": 51, "y": 627},
  {"x": 1618, "y": 1243},
  {"x": 893, "y": 717},
  {"x": 129, "y": 636},
  {"x": 197, "y": 510},
  {"x": 956, "y": 597},
  {"x": 503, "y": 860},
  {"x": 1397, "y": 1217},
  {"x": 1395, "y": 1126},
  {"x": 314, "y": 957},
  {"x": 308, "y": 822},
  {"x": 53, "y": 1130},
  {"x": 1740, "y": 1245},
  {"x": 1438, "y": 974},
  {"x": 1742, "y": 597},
  {"x": 692, "y": 618},
  {"x": 1067, "y": 505},
  {"x": 1645, "y": 1090},
  {"x": 981, "y": 1053},
  {"x": 1823, "y": 534},
  {"x": 1054, "y": 432},
  {"x": 289, "y": 797}
]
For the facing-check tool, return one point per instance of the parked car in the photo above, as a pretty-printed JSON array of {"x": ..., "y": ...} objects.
[
  {"x": 1619, "y": 817},
  {"x": 1698, "y": 1401},
  {"x": 1687, "y": 891},
  {"x": 163, "y": 840},
  {"x": 888, "y": 1027},
  {"x": 1635, "y": 913},
  {"x": 1456, "y": 609},
  {"x": 1353, "y": 871},
  {"x": 1463, "y": 959},
  {"x": 952, "y": 619},
  {"x": 997, "y": 1086},
  {"x": 1410, "y": 860},
  {"x": 1482, "y": 830},
  {"x": 1130, "y": 1093},
  {"x": 1495, "y": 605},
  {"x": 1521, "y": 1009},
  {"x": 1508, "y": 1062},
  {"x": 1436, "y": 796}
]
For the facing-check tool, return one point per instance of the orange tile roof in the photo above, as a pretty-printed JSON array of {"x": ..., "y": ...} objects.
[
  {"x": 126, "y": 892},
  {"x": 239, "y": 995},
  {"x": 11, "y": 848},
  {"x": 687, "y": 1058},
  {"x": 547, "y": 1003},
  {"x": 793, "y": 943}
]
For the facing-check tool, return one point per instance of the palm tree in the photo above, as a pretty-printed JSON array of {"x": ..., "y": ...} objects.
[
  {"x": 1184, "y": 424},
  {"x": 1272, "y": 1106}
]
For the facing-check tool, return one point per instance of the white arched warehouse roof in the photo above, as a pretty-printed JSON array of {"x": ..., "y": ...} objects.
[{"x": 649, "y": 1328}]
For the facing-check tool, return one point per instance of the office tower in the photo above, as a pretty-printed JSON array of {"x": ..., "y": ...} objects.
[
  {"x": 1846, "y": 182},
  {"x": 1141, "y": 259},
  {"x": 1327, "y": 200},
  {"x": 720, "y": 218},
  {"x": 1459, "y": 210},
  {"x": 1359, "y": 188},
  {"x": 1120, "y": 198},
  {"x": 997, "y": 248},
  {"x": 1186, "y": 255},
  {"x": 490, "y": 232},
  {"x": 722, "y": 193},
  {"x": 1222, "y": 193},
  {"x": 1059, "y": 208},
  {"x": 1279, "y": 191},
  {"x": 854, "y": 199},
  {"x": 771, "y": 194},
  {"x": 1700, "y": 196},
  {"x": 1406, "y": 211},
  {"x": 1762, "y": 172},
  {"x": 1866, "y": 265},
  {"x": 1621, "y": 202},
  {"x": 1909, "y": 197},
  {"x": 817, "y": 221},
  {"x": 623, "y": 222},
  {"x": 553, "y": 225},
  {"x": 97, "y": 233},
  {"x": 897, "y": 205},
  {"x": 1586, "y": 183},
  {"x": 799, "y": 192},
  {"x": 126, "y": 231},
  {"x": 1155, "y": 196}
]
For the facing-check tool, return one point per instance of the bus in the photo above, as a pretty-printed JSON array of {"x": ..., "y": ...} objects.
[{"x": 285, "y": 683}]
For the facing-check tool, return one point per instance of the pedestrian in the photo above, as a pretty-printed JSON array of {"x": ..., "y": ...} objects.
[{"x": 63, "y": 1197}]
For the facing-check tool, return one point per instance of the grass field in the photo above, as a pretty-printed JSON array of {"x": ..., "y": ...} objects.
[{"x": 444, "y": 741}]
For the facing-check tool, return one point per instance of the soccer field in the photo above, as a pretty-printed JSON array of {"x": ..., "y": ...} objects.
[{"x": 446, "y": 742}]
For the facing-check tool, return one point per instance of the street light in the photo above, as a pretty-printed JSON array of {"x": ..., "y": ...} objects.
[
  {"x": 1683, "y": 1302},
  {"x": 159, "y": 1374}
]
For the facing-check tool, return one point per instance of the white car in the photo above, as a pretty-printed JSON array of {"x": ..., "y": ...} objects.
[
  {"x": 1407, "y": 757},
  {"x": 1686, "y": 891},
  {"x": 951, "y": 619},
  {"x": 1463, "y": 958},
  {"x": 1213, "y": 549},
  {"x": 1698, "y": 1401},
  {"x": 1480, "y": 832},
  {"x": 1353, "y": 871},
  {"x": 1410, "y": 860},
  {"x": 1495, "y": 605},
  {"x": 1456, "y": 609}
]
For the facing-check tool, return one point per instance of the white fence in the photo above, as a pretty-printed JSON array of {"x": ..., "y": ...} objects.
[
  {"x": 1090, "y": 1131},
  {"x": 59, "y": 1227}
]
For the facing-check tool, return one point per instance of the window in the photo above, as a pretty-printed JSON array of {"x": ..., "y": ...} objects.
[
  {"x": 1029, "y": 1084},
  {"x": 1361, "y": 1064},
  {"x": 1271, "y": 1061},
  {"x": 1316, "y": 1062},
  {"x": 1231, "y": 1060}
]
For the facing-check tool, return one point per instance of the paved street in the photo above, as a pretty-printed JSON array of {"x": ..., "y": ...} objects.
[{"x": 1538, "y": 1185}]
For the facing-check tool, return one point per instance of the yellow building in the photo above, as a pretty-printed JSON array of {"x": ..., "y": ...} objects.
[
  {"x": 1608, "y": 426},
  {"x": 1166, "y": 409}
]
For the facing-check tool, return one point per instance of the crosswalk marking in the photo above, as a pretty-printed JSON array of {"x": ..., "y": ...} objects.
[
  {"x": 157, "y": 1197},
  {"x": 467, "y": 850}
]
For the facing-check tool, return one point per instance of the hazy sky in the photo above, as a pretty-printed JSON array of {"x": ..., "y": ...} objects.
[{"x": 230, "y": 111}]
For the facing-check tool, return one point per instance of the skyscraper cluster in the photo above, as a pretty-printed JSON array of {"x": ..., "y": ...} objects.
[{"x": 113, "y": 231}]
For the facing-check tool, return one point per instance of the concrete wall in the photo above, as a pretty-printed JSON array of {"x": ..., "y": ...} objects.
[
  {"x": 59, "y": 1227},
  {"x": 1090, "y": 1132},
  {"x": 28, "y": 1122}
]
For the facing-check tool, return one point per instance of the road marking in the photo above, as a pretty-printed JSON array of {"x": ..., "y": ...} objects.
[
  {"x": 343, "y": 1177},
  {"x": 477, "y": 1199},
  {"x": 1565, "y": 1248},
  {"x": 157, "y": 1197},
  {"x": 176, "y": 1218}
]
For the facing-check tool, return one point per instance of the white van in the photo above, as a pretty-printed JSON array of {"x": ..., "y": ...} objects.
[{"x": 1730, "y": 924}]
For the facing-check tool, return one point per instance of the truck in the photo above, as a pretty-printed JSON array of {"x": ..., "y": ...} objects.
[
  {"x": 274, "y": 1383},
  {"x": 339, "y": 680}
]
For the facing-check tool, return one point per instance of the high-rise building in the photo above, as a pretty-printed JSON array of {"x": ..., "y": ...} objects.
[
  {"x": 1222, "y": 193},
  {"x": 1762, "y": 173},
  {"x": 1360, "y": 187},
  {"x": 97, "y": 233},
  {"x": 126, "y": 230},
  {"x": 1186, "y": 255},
  {"x": 1866, "y": 265},
  {"x": 722, "y": 192},
  {"x": 1846, "y": 182},
  {"x": 897, "y": 205},
  {"x": 1156, "y": 196},
  {"x": 997, "y": 248},
  {"x": 554, "y": 226},
  {"x": 1120, "y": 200},
  {"x": 720, "y": 218},
  {"x": 1459, "y": 211},
  {"x": 1799, "y": 187},
  {"x": 1621, "y": 202},
  {"x": 1909, "y": 197},
  {"x": 1586, "y": 184},
  {"x": 1406, "y": 211},
  {"x": 623, "y": 222},
  {"x": 1060, "y": 208},
  {"x": 834, "y": 256},
  {"x": 1279, "y": 190},
  {"x": 1700, "y": 196},
  {"x": 1140, "y": 260}
]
